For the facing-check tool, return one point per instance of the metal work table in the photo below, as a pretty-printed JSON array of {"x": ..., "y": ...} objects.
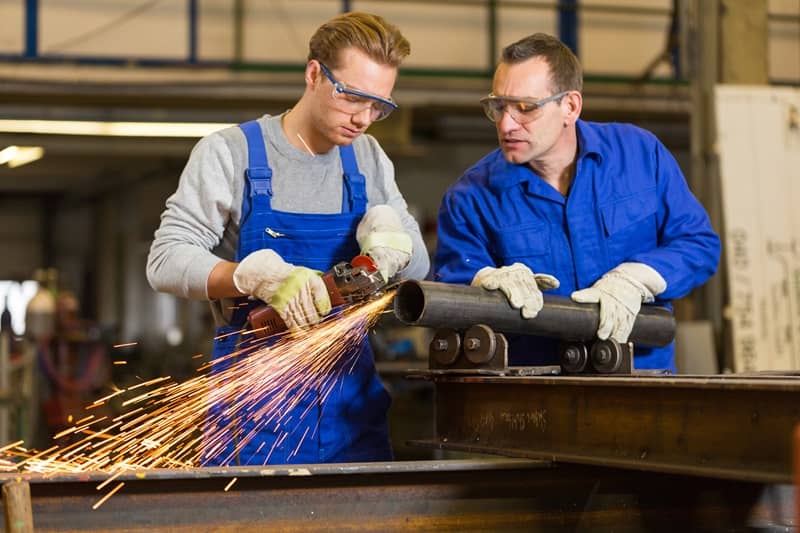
[
  {"x": 464, "y": 495},
  {"x": 592, "y": 453}
]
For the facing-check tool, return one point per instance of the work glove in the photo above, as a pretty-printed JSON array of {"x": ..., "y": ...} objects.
[
  {"x": 621, "y": 293},
  {"x": 381, "y": 235},
  {"x": 297, "y": 293},
  {"x": 520, "y": 285}
]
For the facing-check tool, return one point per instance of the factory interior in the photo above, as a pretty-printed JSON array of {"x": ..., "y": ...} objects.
[{"x": 101, "y": 106}]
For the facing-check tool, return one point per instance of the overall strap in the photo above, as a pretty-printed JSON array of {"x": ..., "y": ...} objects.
[
  {"x": 257, "y": 196},
  {"x": 354, "y": 192},
  {"x": 258, "y": 175}
]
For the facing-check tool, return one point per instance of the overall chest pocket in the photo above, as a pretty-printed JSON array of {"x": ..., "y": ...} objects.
[
  {"x": 309, "y": 247},
  {"x": 630, "y": 225},
  {"x": 529, "y": 244}
]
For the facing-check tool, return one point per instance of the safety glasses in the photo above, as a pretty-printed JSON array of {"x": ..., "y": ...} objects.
[
  {"x": 354, "y": 101},
  {"x": 522, "y": 110}
]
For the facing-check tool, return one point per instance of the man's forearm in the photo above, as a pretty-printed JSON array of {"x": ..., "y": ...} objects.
[{"x": 220, "y": 281}]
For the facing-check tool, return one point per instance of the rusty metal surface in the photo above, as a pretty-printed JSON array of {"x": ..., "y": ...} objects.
[
  {"x": 470, "y": 495},
  {"x": 714, "y": 426}
]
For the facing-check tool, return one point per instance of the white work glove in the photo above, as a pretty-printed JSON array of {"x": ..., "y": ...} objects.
[
  {"x": 298, "y": 294},
  {"x": 381, "y": 235},
  {"x": 621, "y": 293},
  {"x": 521, "y": 286}
]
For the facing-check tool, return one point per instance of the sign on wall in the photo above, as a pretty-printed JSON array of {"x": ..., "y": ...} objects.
[{"x": 758, "y": 132}]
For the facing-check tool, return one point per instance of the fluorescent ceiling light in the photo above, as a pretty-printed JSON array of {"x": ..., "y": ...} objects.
[
  {"x": 116, "y": 129},
  {"x": 16, "y": 156}
]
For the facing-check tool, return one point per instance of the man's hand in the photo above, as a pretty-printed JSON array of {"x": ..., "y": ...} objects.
[
  {"x": 621, "y": 293},
  {"x": 520, "y": 285},
  {"x": 381, "y": 235},
  {"x": 298, "y": 294}
]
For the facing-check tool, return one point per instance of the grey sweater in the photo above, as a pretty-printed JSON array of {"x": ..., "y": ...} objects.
[{"x": 200, "y": 225}]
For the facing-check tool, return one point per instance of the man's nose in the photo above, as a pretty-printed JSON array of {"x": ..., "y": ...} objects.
[
  {"x": 506, "y": 122},
  {"x": 362, "y": 118}
]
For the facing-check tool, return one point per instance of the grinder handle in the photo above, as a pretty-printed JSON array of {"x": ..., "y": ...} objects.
[{"x": 265, "y": 321}]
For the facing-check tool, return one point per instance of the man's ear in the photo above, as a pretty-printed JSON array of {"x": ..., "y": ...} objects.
[
  {"x": 574, "y": 104},
  {"x": 313, "y": 73}
]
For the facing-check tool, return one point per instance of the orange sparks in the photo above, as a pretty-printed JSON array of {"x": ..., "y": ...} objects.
[
  {"x": 229, "y": 485},
  {"x": 218, "y": 337},
  {"x": 104, "y": 398},
  {"x": 166, "y": 424},
  {"x": 107, "y": 496},
  {"x": 125, "y": 345},
  {"x": 109, "y": 480},
  {"x": 12, "y": 445},
  {"x": 148, "y": 383}
]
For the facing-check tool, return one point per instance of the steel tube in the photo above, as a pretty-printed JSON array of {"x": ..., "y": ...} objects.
[{"x": 444, "y": 305}]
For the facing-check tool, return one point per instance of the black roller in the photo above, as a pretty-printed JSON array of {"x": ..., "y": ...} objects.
[{"x": 444, "y": 305}]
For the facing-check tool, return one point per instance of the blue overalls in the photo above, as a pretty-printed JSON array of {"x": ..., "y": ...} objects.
[{"x": 351, "y": 425}]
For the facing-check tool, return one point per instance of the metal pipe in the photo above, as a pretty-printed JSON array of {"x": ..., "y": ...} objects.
[
  {"x": 17, "y": 506},
  {"x": 444, "y": 305}
]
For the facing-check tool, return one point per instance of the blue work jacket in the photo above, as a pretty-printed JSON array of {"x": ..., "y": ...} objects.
[{"x": 628, "y": 202}]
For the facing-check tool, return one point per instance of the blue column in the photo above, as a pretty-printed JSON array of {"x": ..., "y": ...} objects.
[
  {"x": 31, "y": 28},
  {"x": 568, "y": 24},
  {"x": 192, "y": 31},
  {"x": 674, "y": 44},
  {"x": 491, "y": 20}
]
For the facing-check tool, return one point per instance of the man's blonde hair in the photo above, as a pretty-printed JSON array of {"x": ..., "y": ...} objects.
[{"x": 371, "y": 34}]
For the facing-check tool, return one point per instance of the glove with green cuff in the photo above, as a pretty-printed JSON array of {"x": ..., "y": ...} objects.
[
  {"x": 621, "y": 293},
  {"x": 381, "y": 235},
  {"x": 297, "y": 293},
  {"x": 521, "y": 286}
]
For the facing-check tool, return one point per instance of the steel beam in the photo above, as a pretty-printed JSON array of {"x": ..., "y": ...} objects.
[
  {"x": 714, "y": 426},
  {"x": 468, "y": 495}
]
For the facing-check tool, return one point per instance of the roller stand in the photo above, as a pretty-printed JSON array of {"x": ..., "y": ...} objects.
[
  {"x": 478, "y": 350},
  {"x": 599, "y": 357},
  {"x": 482, "y": 350},
  {"x": 479, "y": 347}
]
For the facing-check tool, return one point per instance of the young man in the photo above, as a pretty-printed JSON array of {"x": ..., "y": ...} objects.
[
  {"x": 262, "y": 207},
  {"x": 601, "y": 212}
]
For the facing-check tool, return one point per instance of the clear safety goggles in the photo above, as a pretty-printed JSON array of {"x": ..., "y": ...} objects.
[
  {"x": 522, "y": 110},
  {"x": 354, "y": 101}
]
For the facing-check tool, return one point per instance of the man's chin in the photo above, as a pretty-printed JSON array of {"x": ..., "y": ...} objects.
[
  {"x": 514, "y": 157},
  {"x": 345, "y": 139}
]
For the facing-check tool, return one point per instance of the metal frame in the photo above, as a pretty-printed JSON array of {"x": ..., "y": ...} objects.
[{"x": 714, "y": 426}]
